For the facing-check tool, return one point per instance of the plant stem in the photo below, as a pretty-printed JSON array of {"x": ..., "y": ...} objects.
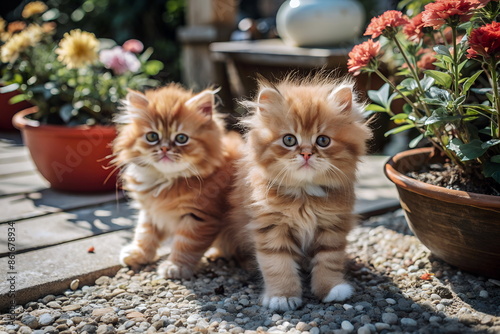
[
  {"x": 494, "y": 86},
  {"x": 456, "y": 74},
  {"x": 407, "y": 100},
  {"x": 414, "y": 73}
]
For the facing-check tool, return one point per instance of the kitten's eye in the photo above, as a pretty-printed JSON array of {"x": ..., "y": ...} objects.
[
  {"x": 181, "y": 139},
  {"x": 152, "y": 137},
  {"x": 289, "y": 140},
  {"x": 323, "y": 141}
]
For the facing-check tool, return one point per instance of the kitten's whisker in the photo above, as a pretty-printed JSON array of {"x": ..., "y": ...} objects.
[{"x": 274, "y": 181}]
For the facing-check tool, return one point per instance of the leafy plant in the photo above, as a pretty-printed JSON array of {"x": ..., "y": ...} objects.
[
  {"x": 75, "y": 80},
  {"x": 448, "y": 78}
]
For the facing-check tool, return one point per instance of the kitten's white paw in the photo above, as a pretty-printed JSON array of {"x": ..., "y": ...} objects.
[
  {"x": 339, "y": 293},
  {"x": 132, "y": 256},
  {"x": 281, "y": 303},
  {"x": 169, "y": 269}
]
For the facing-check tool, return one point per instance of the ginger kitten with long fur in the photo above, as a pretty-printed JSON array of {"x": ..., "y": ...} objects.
[
  {"x": 294, "y": 194},
  {"x": 176, "y": 161}
]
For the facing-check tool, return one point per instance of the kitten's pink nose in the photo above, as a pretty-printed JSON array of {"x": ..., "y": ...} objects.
[
  {"x": 306, "y": 155},
  {"x": 164, "y": 149}
]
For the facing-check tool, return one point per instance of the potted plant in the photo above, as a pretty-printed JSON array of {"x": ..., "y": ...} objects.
[
  {"x": 447, "y": 76},
  {"x": 75, "y": 85}
]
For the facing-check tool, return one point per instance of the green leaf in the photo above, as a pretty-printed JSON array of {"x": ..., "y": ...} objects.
[
  {"x": 153, "y": 67},
  {"x": 427, "y": 82},
  {"x": 442, "y": 79},
  {"x": 414, "y": 142},
  {"x": 18, "y": 98},
  {"x": 495, "y": 158},
  {"x": 470, "y": 81},
  {"x": 380, "y": 96},
  {"x": 490, "y": 143},
  {"x": 399, "y": 129},
  {"x": 439, "y": 116},
  {"x": 400, "y": 116},
  {"x": 472, "y": 150},
  {"x": 9, "y": 88},
  {"x": 442, "y": 50},
  {"x": 409, "y": 83},
  {"x": 376, "y": 107},
  {"x": 492, "y": 169},
  {"x": 461, "y": 65}
]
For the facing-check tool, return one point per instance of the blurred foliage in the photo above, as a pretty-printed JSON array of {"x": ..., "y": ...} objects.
[
  {"x": 412, "y": 7},
  {"x": 154, "y": 22}
]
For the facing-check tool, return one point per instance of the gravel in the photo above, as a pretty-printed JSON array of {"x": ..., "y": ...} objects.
[{"x": 387, "y": 266}]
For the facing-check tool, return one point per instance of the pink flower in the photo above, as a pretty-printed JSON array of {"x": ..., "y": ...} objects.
[
  {"x": 361, "y": 55},
  {"x": 388, "y": 20},
  {"x": 119, "y": 60},
  {"x": 133, "y": 45}
]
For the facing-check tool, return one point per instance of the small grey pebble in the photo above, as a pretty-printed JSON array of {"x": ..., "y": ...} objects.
[
  {"x": 90, "y": 329},
  {"x": 46, "y": 319},
  {"x": 408, "y": 322},
  {"x": 389, "y": 318},
  {"x": 106, "y": 329},
  {"x": 48, "y": 299},
  {"x": 364, "y": 330},
  {"x": 314, "y": 330},
  {"x": 30, "y": 321},
  {"x": 50, "y": 330},
  {"x": 347, "y": 326}
]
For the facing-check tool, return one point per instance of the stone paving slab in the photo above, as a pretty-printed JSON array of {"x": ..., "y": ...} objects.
[
  {"x": 51, "y": 270},
  {"x": 54, "y": 229},
  {"x": 49, "y": 201}
]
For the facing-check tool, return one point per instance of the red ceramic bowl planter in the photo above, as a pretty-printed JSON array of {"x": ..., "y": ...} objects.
[
  {"x": 72, "y": 159},
  {"x": 459, "y": 227}
]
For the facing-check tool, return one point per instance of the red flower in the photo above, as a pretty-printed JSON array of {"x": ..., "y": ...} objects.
[
  {"x": 361, "y": 55},
  {"x": 442, "y": 11},
  {"x": 389, "y": 19},
  {"x": 414, "y": 28},
  {"x": 485, "y": 41}
]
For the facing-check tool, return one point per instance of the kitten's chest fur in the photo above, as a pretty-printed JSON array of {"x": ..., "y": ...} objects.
[{"x": 303, "y": 216}]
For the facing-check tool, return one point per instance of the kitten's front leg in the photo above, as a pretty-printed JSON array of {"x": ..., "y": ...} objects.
[
  {"x": 327, "y": 280},
  {"x": 142, "y": 250},
  {"x": 191, "y": 241},
  {"x": 275, "y": 255}
]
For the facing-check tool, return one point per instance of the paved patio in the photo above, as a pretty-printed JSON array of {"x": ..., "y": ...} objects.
[{"x": 54, "y": 231}]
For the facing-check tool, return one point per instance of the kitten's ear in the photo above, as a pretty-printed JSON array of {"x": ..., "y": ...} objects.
[
  {"x": 269, "y": 97},
  {"x": 342, "y": 96},
  {"x": 137, "y": 99},
  {"x": 203, "y": 102}
]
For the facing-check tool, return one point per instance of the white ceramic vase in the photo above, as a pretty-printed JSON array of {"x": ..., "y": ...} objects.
[{"x": 319, "y": 22}]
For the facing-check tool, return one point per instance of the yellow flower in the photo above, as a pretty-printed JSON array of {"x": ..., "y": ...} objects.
[
  {"x": 78, "y": 48},
  {"x": 32, "y": 8},
  {"x": 15, "y": 45}
]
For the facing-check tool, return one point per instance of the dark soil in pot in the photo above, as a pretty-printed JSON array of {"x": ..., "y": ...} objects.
[{"x": 450, "y": 176}]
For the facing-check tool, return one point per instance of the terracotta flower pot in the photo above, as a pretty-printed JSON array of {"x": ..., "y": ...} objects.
[
  {"x": 459, "y": 227},
  {"x": 70, "y": 158},
  {"x": 7, "y": 110}
]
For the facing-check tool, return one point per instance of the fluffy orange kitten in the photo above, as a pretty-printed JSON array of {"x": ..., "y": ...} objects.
[
  {"x": 294, "y": 192},
  {"x": 176, "y": 163}
]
